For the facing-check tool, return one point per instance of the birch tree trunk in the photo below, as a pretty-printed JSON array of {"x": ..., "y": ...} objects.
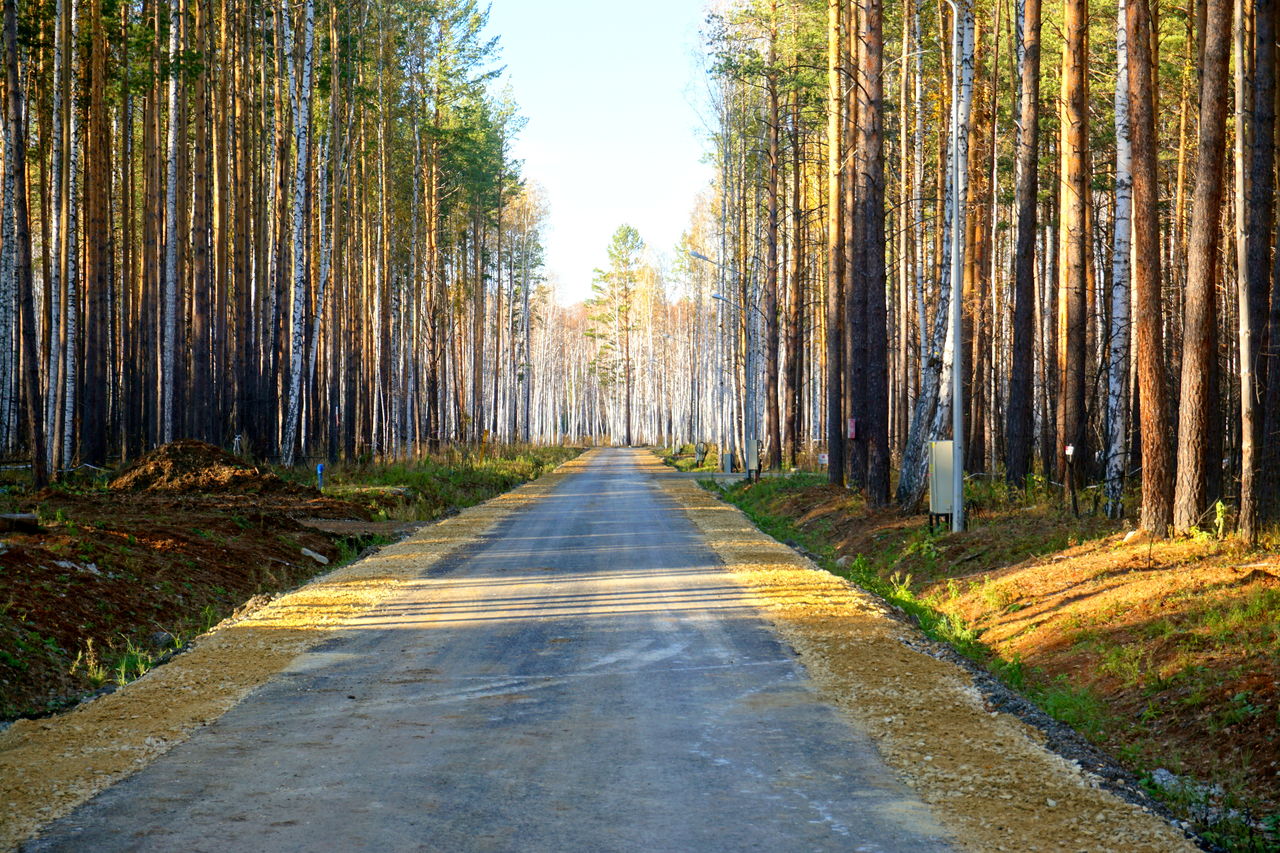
[
  {"x": 169, "y": 336},
  {"x": 773, "y": 428},
  {"x": 67, "y": 411},
  {"x": 300, "y": 105},
  {"x": 54, "y": 251},
  {"x": 1118, "y": 363},
  {"x": 933, "y": 405},
  {"x": 9, "y": 386}
]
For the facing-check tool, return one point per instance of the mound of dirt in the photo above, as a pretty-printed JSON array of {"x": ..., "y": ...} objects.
[{"x": 194, "y": 466}]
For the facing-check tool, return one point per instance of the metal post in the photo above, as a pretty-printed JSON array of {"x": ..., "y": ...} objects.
[{"x": 957, "y": 272}]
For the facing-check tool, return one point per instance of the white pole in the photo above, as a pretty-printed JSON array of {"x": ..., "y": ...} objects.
[{"x": 957, "y": 291}]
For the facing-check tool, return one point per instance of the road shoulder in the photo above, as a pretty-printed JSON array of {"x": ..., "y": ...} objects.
[{"x": 986, "y": 774}]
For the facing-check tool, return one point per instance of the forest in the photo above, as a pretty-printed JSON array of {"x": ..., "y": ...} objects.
[
  {"x": 297, "y": 230},
  {"x": 1095, "y": 185}
]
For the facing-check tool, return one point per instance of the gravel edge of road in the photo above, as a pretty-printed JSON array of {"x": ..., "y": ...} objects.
[
  {"x": 822, "y": 615},
  {"x": 1059, "y": 738},
  {"x": 49, "y": 767}
]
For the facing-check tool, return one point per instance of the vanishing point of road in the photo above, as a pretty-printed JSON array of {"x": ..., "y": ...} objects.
[{"x": 585, "y": 677}]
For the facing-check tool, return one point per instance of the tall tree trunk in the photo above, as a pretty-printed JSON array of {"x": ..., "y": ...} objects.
[
  {"x": 93, "y": 424},
  {"x": 169, "y": 332},
  {"x": 795, "y": 295},
  {"x": 300, "y": 103},
  {"x": 1197, "y": 404},
  {"x": 835, "y": 248},
  {"x": 55, "y": 247},
  {"x": 871, "y": 250},
  {"x": 1157, "y": 462},
  {"x": 1020, "y": 421},
  {"x": 1073, "y": 264},
  {"x": 22, "y": 259},
  {"x": 772, "y": 427},
  {"x": 65, "y": 432},
  {"x": 1253, "y": 268},
  {"x": 201, "y": 389},
  {"x": 1118, "y": 362},
  {"x": 932, "y": 415},
  {"x": 1258, "y": 373}
]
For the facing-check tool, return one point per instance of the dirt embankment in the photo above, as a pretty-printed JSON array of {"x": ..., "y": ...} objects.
[
  {"x": 123, "y": 574},
  {"x": 986, "y": 773},
  {"x": 50, "y": 766},
  {"x": 1164, "y": 654},
  {"x": 189, "y": 466}
]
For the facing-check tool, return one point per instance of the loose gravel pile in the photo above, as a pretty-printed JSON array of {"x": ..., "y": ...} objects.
[{"x": 987, "y": 774}]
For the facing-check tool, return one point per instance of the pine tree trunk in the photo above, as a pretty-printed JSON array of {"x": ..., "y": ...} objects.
[
  {"x": 1073, "y": 263},
  {"x": 1197, "y": 404},
  {"x": 201, "y": 380},
  {"x": 1157, "y": 462},
  {"x": 93, "y": 425},
  {"x": 1020, "y": 422},
  {"x": 22, "y": 255},
  {"x": 795, "y": 308},
  {"x": 871, "y": 251},
  {"x": 1257, "y": 373},
  {"x": 1253, "y": 245},
  {"x": 835, "y": 247}
]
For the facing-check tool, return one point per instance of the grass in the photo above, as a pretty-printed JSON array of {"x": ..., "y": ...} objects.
[
  {"x": 1125, "y": 683},
  {"x": 685, "y": 458},
  {"x": 431, "y": 487},
  {"x": 755, "y": 500}
]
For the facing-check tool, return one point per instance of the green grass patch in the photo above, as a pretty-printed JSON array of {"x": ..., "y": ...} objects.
[{"x": 431, "y": 487}]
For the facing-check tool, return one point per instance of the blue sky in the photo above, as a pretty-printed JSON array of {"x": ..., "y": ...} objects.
[{"x": 614, "y": 135}]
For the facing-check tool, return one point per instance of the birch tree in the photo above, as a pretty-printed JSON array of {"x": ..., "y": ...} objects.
[
  {"x": 300, "y": 103},
  {"x": 933, "y": 405},
  {"x": 1118, "y": 362}
]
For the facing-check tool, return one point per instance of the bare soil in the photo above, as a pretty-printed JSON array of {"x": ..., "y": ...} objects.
[
  {"x": 193, "y": 466},
  {"x": 155, "y": 554}
]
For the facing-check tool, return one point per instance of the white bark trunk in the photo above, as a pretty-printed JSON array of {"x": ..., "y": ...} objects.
[
  {"x": 73, "y": 269},
  {"x": 1118, "y": 362},
  {"x": 169, "y": 346},
  {"x": 933, "y": 405},
  {"x": 53, "y": 380},
  {"x": 300, "y": 102}
]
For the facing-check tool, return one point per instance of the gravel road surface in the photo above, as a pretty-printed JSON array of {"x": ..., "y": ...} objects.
[{"x": 587, "y": 677}]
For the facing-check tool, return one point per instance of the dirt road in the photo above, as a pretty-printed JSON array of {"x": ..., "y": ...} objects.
[{"x": 587, "y": 675}]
